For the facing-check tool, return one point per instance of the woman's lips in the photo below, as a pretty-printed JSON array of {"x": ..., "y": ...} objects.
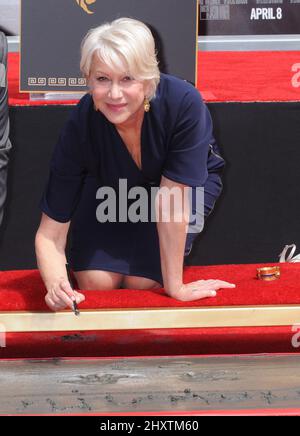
[{"x": 116, "y": 107}]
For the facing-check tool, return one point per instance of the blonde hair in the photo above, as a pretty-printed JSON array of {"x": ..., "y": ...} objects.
[{"x": 124, "y": 42}]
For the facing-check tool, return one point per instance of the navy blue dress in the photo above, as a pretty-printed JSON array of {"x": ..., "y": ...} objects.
[{"x": 176, "y": 142}]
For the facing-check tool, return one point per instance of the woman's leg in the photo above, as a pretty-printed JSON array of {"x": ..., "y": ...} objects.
[
  {"x": 98, "y": 280},
  {"x": 134, "y": 282}
]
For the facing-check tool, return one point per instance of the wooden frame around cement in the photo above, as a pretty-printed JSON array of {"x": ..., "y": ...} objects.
[{"x": 150, "y": 318}]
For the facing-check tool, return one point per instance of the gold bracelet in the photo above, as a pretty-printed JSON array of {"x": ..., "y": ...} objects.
[{"x": 268, "y": 273}]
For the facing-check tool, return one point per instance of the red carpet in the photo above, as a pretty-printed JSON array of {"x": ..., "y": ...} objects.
[
  {"x": 24, "y": 290},
  {"x": 249, "y": 76},
  {"x": 222, "y": 76}
]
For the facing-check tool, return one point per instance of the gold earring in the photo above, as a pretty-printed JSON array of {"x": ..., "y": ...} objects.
[{"x": 147, "y": 104}]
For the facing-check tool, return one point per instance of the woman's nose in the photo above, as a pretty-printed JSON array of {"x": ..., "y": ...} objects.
[{"x": 115, "y": 91}]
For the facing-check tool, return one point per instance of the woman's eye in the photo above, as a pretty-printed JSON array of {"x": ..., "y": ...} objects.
[
  {"x": 127, "y": 79},
  {"x": 102, "y": 79}
]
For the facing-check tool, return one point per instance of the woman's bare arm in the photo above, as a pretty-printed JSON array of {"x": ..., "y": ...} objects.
[
  {"x": 172, "y": 237},
  {"x": 50, "y": 245}
]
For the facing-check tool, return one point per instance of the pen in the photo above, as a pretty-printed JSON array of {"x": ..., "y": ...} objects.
[{"x": 75, "y": 307}]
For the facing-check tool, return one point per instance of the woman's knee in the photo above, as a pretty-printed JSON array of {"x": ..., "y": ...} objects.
[
  {"x": 135, "y": 282},
  {"x": 98, "y": 280}
]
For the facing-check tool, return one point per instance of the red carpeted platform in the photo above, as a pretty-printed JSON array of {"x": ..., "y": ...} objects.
[
  {"x": 249, "y": 76},
  {"x": 222, "y": 76},
  {"x": 24, "y": 291}
]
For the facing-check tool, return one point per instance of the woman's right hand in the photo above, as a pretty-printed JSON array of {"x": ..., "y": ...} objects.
[{"x": 60, "y": 296}]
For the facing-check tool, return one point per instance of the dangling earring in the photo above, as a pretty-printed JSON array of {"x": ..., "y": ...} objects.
[{"x": 147, "y": 104}]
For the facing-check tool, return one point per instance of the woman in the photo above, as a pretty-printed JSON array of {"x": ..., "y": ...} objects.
[{"x": 143, "y": 128}]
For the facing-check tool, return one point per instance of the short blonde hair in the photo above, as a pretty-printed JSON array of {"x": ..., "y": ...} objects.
[{"x": 124, "y": 42}]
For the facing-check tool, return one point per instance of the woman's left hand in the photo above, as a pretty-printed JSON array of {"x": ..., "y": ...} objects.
[{"x": 199, "y": 289}]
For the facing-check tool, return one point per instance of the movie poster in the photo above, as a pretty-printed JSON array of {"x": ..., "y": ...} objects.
[
  {"x": 52, "y": 31},
  {"x": 249, "y": 17}
]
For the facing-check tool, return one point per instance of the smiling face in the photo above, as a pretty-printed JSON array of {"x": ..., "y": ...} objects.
[{"x": 118, "y": 95}]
